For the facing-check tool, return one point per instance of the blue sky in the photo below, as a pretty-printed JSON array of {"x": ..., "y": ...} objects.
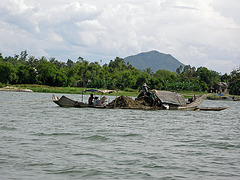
[{"x": 200, "y": 33}]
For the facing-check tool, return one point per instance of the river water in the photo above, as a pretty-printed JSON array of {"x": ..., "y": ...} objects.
[{"x": 40, "y": 140}]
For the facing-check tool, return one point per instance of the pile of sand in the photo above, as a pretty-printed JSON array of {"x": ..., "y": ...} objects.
[{"x": 129, "y": 103}]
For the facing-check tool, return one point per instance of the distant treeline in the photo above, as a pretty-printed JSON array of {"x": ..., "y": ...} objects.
[{"x": 24, "y": 69}]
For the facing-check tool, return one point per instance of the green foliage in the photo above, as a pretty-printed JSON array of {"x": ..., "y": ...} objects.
[
  {"x": 235, "y": 87},
  {"x": 23, "y": 55},
  {"x": 48, "y": 74},
  {"x": 203, "y": 86},
  {"x": 208, "y": 76},
  {"x": 165, "y": 75},
  {"x": 1, "y": 57},
  {"x": 182, "y": 86},
  {"x": 118, "y": 64},
  {"x": 26, "y": 74},
  {"x": 22, "y": 69},
  {"x": 225, "y": 78},
  {"x": 2, "y": 85},
  {"x": 7, "y": 73},
  {"x": 141, "y": 79},
  {"x": 155, "y": 83},
  {"x": 235, "y": 82},
  {"x": 129, "y": 90}
]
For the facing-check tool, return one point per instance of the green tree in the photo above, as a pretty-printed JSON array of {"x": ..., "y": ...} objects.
[
  {"x": 225, "y": 78},
  {"x": 141, "y": 79},
  {"x": 61, "y": 79},
  {"x": 48, "y": 74},
  {"x": 179, "y": 69},
  {"x": 235, "y": 82},
  {"x": 208, "y": 76},
  {"x": 72, "y": 76},
  {"x": 118, "y": 64},
  {"x": 7, "y": 73},
  {"x": 155, "y": 83},
  {"x": 190, "y": 74},
  {"x": 186, "y": 73},
  {"x": 127, "y": 80},
  {"x": 32, "y": 61},
  {"x": 57, "y": 63},
  {"x": 1, "y": 57},
  {"x": 165, "y": 75},
  {"x": 23, "y": 55},
  {"x": 13, "y": 60},
  {"x": 26, "y": 75},
  {"x": 70, "y": 63},
  {"x": 149, "y": 71}
]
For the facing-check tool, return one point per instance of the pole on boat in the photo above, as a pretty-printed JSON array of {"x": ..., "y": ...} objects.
[
  {"x": 82, "y": 95},
  {"x": 115, "y": 103}
]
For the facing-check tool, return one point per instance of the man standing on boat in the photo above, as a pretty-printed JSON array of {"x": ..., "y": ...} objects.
[
  {"x": 148, "y": 96},
  {"x": 144, "y": 89},
  {"x": 90, "y": 100}
]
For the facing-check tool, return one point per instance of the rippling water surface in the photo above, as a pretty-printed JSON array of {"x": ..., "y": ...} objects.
[{"x": 41, "y": 140}]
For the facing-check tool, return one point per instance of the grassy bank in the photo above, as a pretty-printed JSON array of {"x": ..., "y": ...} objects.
[
  {"x": 67, "y": 90},
  {"x": 78, "y": 90}
]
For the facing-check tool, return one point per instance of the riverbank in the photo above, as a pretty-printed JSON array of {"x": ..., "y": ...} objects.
[
  {"x": 79, "y": 90},
  {"x": 63, "y": 90},
  {"x": 15, "y": 89},
  {"x": 223, "y": 97}
]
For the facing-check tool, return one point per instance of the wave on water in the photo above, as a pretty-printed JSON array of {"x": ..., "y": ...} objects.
[
  {"x": 97, "y": 138},
  {"x": 131, "y": 135},
  {"x": 69, "y": 170},
  {"x": 223, "y": 145},
  {"x": 55, "y": 134},
  {"x": 88, "y": 154},
  {"x": 7, "y": 128}
]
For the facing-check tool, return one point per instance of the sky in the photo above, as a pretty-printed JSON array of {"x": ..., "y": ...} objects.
[{"x": 196, "y": 32}]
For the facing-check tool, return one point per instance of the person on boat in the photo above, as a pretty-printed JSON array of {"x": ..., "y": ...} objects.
[
  {"x": 102, "y": 101},
  {"x": 153, "y": 99},
  {"x": 95, "y": 101},
  {"x": 192, "y": 99},
  {"x": 90, "y": 99},
  {"x": 144, "y": 89}
]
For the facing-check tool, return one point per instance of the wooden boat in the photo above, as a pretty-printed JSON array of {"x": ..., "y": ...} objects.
[
  {"x": 168, "y": 101},
  {"x": 67, "y": 102},
  {"x": 210, "y": 108},
  {"x": 175, "y": 100}
]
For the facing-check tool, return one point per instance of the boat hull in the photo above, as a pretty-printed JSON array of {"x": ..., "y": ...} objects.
[
  {"x": 211, "y": 108},
  {"x": 67, "y": 102}
]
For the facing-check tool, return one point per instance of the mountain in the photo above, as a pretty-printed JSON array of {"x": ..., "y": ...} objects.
[{"x": 154, "y": 60}]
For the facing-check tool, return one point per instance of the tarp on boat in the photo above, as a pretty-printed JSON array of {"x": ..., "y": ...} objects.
[
  {"x": 99, "y": 91},
  {"x": 90, "y": 90},
  {"x": 169, "y": 97}
]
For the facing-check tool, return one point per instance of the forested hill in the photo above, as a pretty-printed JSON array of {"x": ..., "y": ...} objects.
[{"x": 154, "y": 60}]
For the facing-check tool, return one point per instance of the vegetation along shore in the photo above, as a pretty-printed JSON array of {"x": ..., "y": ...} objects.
[{"x": 53, "y": 76}]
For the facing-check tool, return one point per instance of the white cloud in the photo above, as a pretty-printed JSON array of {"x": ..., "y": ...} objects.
[{"x": 199, "y": 33}]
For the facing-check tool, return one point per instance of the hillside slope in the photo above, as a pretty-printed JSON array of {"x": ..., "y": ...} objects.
[{"x": 154, "y": 60}]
